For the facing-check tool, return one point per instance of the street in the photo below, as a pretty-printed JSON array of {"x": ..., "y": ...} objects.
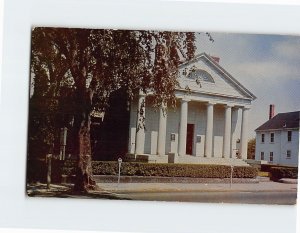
[
  {"x": 245, "y": 193},
  {"x": 244, "y": 197}
]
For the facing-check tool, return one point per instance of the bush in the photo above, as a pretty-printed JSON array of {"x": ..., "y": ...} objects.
[
  {"x": 267, "y": 167},
  {"x": 37, "y": 170},
  {"x": 172, "y": 170},
  {"x": 283, "y": 172}
]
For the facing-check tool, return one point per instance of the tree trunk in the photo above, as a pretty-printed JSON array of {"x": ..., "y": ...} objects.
[{"x": 84, "y": 174}]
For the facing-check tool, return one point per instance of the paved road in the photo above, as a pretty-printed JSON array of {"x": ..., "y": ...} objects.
[
  {"x": 254, "y": 193},
  {"x": 282, "y": 198}
]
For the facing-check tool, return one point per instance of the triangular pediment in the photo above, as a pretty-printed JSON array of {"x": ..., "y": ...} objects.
[{"x": 204, "y": 75}]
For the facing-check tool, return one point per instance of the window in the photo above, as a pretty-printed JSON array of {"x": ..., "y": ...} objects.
[
  {"x": 289, "y": 136},
  {"x": 288, "y": 154},
  {"x": 263, "y": 138},
  {"x": 201, "y": 75},
  {"x": 272, "y": 137},
  {"x": 262, "y": 155},
  {"x": 173, "y": 137},
  {"x": 271, "y": 157}
]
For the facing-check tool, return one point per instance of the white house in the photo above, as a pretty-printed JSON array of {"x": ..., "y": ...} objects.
[
  {"x": 209, "y": 124},
  {"x": 277, "y": 140}
]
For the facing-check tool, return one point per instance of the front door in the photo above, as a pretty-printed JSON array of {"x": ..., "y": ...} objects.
[{"x": 190, "y": 139}]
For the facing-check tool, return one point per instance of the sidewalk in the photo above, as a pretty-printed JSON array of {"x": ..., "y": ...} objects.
[
  {"x": 112, "y": 189},
  {"x": 267, "y": 186}
]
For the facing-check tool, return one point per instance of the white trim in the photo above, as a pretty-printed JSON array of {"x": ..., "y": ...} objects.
[
  {"x": 222, "y": 70},
  {"x": 280, "y": 129}
]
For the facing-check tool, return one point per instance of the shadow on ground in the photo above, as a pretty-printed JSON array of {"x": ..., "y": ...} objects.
[{"x": 66, "y": 191}]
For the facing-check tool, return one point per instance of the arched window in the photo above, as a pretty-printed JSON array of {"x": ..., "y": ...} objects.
[{"x": 201, "y": 75}]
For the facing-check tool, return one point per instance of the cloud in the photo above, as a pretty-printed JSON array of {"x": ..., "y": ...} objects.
[
  {"x": 288, "y": 49},
  {"x": 268, "y": 70},
  {"x": 267, "y": 65},
  {"x": 255, "y": 57}
]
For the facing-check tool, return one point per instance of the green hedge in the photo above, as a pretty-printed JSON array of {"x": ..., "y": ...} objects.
[
  {"x": 283, "y": 172},
  {"x": 267, "y": 167},
  {"x": 37, "y": 170},
  {"x": 172, "y": 170}
]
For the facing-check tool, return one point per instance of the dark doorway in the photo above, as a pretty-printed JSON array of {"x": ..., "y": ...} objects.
[{"x": 190, "y": 139}]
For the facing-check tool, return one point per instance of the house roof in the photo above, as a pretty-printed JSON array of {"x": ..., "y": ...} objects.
[
  {"x": 287, "y": 120},
  {"x": 217, "y": 66}
]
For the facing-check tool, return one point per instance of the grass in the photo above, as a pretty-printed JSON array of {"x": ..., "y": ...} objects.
[
  {"x": 263, "y": 174},
  {"x": 66, "y": 190}
]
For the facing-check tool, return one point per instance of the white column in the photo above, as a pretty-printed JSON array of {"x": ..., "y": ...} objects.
[
  {"x": 227, "y": 132},
  {"x": 209, "y": 130},
  {"x": 161, "y": 140},
  {"x": 244, "y": 139},
  {"x": 234, "y": 135},
  {"x": 140, "y": 125},
  {"x": 183, "y": 127}
]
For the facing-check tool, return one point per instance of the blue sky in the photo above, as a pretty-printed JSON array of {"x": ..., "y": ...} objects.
[{"x": 267, "y": 65}]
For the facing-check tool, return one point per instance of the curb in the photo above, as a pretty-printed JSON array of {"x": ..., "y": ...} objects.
[
  {"x": 234, "y": 190},
  {"x": 288, "y": 181},
  {"x": 157, "y": 179}
]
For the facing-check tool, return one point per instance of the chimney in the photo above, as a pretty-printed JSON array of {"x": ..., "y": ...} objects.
[
  {"x": 216, "y": 59},
  {"x": 271, "y": 112}
]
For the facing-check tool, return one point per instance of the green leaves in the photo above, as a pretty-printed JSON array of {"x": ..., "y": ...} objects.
[
  {"x": 105, "y": 60},
  {"x": 74, "y": 71}
]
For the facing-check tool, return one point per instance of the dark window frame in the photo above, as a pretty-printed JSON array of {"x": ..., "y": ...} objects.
[
  {"x": 272, "y": 137},
  {"x": 262, "y": 155},
  {"x": 289, "y": 136},
  {"x": 288, "y": 154},
  {"x": 271, "y": 156}
]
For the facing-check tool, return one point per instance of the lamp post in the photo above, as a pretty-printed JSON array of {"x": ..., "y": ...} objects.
[
  {"x": 231, "y": 174},
  {"x": 119, "y": 162},
  {"x": 63, "y": 142}
]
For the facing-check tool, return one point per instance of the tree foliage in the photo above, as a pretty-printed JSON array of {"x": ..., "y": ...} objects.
[
  {"x": 74, "y": 71},
  {"x": 251, "y": 149}
]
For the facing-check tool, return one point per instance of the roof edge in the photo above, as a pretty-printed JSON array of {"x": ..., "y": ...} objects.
[
  {"x": 220, "y": 68},
  {"x": 278, "y": 129}
]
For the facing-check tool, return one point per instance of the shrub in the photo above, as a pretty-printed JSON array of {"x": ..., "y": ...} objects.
[
  {"x": 172, "y": 170},
  {"x": 267, "y": 167},
  {"x": 283, "y": 172},
  {"x": 37, "y": 170}
]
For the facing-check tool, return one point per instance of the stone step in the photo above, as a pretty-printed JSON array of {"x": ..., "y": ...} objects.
[{"x": 187, "y": 159}]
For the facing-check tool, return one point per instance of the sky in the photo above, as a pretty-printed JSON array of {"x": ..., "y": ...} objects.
[{"x": 267, "y": 65}]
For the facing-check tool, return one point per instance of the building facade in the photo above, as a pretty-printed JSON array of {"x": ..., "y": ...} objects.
[
  {"x": 208, "y": 125},
  {"x": 277, "y": 140}
]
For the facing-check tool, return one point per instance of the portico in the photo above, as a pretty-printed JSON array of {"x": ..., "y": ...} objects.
[
  {"x": 209, "y": 123},
  {"x": 225, "y": 110}
]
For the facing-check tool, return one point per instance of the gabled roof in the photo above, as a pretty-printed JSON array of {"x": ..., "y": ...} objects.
[
  {"x": 217, "y": 66},
  {"x": 288, "y": 120}
]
